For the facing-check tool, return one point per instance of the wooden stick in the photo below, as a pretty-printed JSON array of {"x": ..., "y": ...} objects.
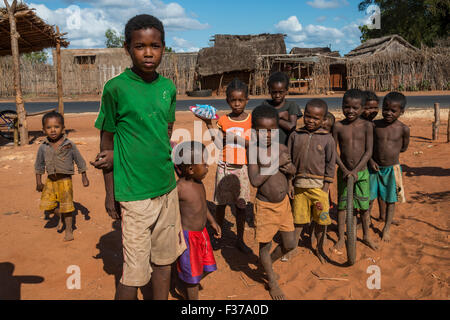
[
  {"x": 448, "y": 127},
  {"x": 20, "y": 106},
  {"x": 327, "y": 278},
  {"x": 437, "y": 122},
  {"x": 59, "y": 84}
]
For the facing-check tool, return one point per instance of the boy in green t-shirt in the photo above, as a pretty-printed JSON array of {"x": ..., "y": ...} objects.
[{"x": 136, "y": 119}]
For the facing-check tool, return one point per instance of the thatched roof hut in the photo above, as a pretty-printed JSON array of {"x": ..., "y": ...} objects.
[
  {"x": 35, "y": 33},
  {"x": 388, "y": 44},
  {"x": 237, "y": 52},
  {"x": 314, "y": 51}
]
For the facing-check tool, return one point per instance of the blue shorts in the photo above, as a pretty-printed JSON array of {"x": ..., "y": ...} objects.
[{"x": 384, "y": 185}]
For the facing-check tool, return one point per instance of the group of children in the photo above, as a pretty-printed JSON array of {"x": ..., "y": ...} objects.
[{"x": 164, "y": 219}]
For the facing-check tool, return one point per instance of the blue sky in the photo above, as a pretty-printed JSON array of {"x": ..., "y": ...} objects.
[{"x": 190, "y": 24}]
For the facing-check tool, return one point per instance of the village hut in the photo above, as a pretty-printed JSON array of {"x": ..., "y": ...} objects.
[
  {"x": 22, "y": 31},
  {"x": 86, "y": 71},
  {"x": 311, "y": 70},
  {"x": 234, "y": 56},
  {"x": 391, "y": 63}
]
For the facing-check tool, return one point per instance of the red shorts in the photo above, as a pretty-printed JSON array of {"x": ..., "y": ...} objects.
[{"x": 198, "y": 257}]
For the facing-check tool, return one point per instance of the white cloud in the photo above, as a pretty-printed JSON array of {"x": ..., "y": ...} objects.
[
  {"x": 86, "y": 26},
  {"x": 342, "y": 39},
  {"x": 182, "y": 45},
  {"x": 291, "y": 24},
  {"x": 327, "y": 4}
]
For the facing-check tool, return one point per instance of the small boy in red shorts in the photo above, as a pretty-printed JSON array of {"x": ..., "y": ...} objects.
[{"x": 198, "y": 259}]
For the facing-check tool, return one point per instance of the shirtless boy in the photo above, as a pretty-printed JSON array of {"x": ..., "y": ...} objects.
[
  {"x": 198, "y": 260},
  {"x": 272, "y": 205},
  {"x": 354, "y": 136},
  {"x": 370, "y": 110},
  {"x": 391, "y": 137}
]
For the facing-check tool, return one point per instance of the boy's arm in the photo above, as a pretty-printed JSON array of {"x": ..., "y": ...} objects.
[
  {"x": 368, "y": 152},
  {"x": 216, "y": 135},
  {"x": 330, "y": 164},
  {"x": 112, "y": 206},
  {"x": 39, "y": 167},
  {"x": 214, "y": 224},
  {"x": 81, "y": 165},
  {"x": 339, "y": 162},
  {"x": 170, "y": 129},
  {"x": 256, "y": 179},
  {"x": 405, "y": 138},
  {"x": 289, "y": 124}
]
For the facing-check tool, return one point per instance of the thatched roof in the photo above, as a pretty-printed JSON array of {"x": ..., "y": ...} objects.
[
  {"x": 389, "y": 44},
  {"x": 237, "y": 52},
  {"x": 35, "y": 33}
]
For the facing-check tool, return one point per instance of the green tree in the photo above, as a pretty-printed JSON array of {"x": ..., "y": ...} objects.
[
  {"x": 169, "y": 49},
  {"x": 418, "y": 21},
  {"x": 113, "y": 39},
  {"x": 36, "y": 57}
]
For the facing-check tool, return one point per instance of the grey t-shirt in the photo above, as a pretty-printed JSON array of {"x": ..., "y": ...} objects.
[{"x": 292, "y": 108}]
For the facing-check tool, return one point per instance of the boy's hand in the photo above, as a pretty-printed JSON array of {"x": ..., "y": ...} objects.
[
  {"x": 217, "y": 229},
  {"x": 374, "y": 166},
  {"x": 39, "y": 187},
  {"x": 85, "y": 180},
  {"x": 104, "y": 160},
  {"x": 284, "y": 115},
  {"x": 291, "y": 192},
  {"x": 284, "y": 159},
  {"x": 112, "y": 206}
]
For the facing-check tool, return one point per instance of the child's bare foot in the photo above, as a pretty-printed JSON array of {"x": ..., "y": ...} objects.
[
  {"x": 68, "y": 236},
  {"x": 386, "y": 237},
  {"x": 338, "y": 247},
  {"x": 369, "y": 242},
  {"x": 275, "y": 291},
  {"x": 243, "y": 247},
  {"x": 321, "y": 258},
  {"x": 290, "y": 255}
]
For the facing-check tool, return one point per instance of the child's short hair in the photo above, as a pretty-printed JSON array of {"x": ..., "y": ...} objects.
[
  {"x": 143, "y": 21},
  {"x": 355, "y": 94},
  {"x": 395, "y": 97},
  {"x": 317, "y": 103},
  {"x": 188, "y": 153},
  {"x": 237, "y": 85},
  {"x": 371, "y": 96},
  {"x": 52, "y": 114},
  {"x": 331, "y": 117},
  {"x": 264, "y": 112},
  {"x": 278, "y": 77}
]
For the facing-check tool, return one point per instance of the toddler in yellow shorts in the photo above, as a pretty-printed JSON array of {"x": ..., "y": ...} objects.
[
  {"x": 313, "y": 153},
  {"x": 56, "y": 155}
]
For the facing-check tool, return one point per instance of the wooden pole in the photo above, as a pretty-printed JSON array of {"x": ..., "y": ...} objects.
[
  {"x": 20, "y": 106},
  {"x": 437, "y": 121},
  {"x": 59, "y": 74},
  {"x": 448, "y": 127}
]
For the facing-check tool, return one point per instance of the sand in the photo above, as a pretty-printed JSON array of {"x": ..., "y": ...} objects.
[{"x": 34, "y": 260}]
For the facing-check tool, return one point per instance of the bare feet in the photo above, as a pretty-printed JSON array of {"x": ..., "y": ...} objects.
[
  {"x": 290, "y": 255},
  {"x": 386, "y": 237},
  {"x": 369, "y": 242},
  {"x": 275, "y": 291},
  {"x": 338, "y": 247},
  {"x": 243, "y": 247},
  {"x": 68, "y": 236}
]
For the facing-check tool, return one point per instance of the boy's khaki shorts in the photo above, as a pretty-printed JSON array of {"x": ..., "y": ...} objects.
[
  {"x": 304, "y": 206},
  {"x": 271, "y": 218},
  {"x": 151, "y": 232}
]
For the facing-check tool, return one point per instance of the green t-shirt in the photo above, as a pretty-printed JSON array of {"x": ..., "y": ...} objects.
[{"x": 138, "y": 114}]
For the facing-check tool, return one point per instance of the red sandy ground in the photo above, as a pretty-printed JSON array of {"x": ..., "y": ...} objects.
[{"x": 414, "y": 265}]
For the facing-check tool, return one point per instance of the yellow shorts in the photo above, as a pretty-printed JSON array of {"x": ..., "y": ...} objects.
[
  {"x": 59, "y": 191},
  {"x": 304, "y": 206}
]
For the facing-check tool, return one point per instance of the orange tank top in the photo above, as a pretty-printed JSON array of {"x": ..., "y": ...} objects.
[{"x": 235, "y": 153}]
